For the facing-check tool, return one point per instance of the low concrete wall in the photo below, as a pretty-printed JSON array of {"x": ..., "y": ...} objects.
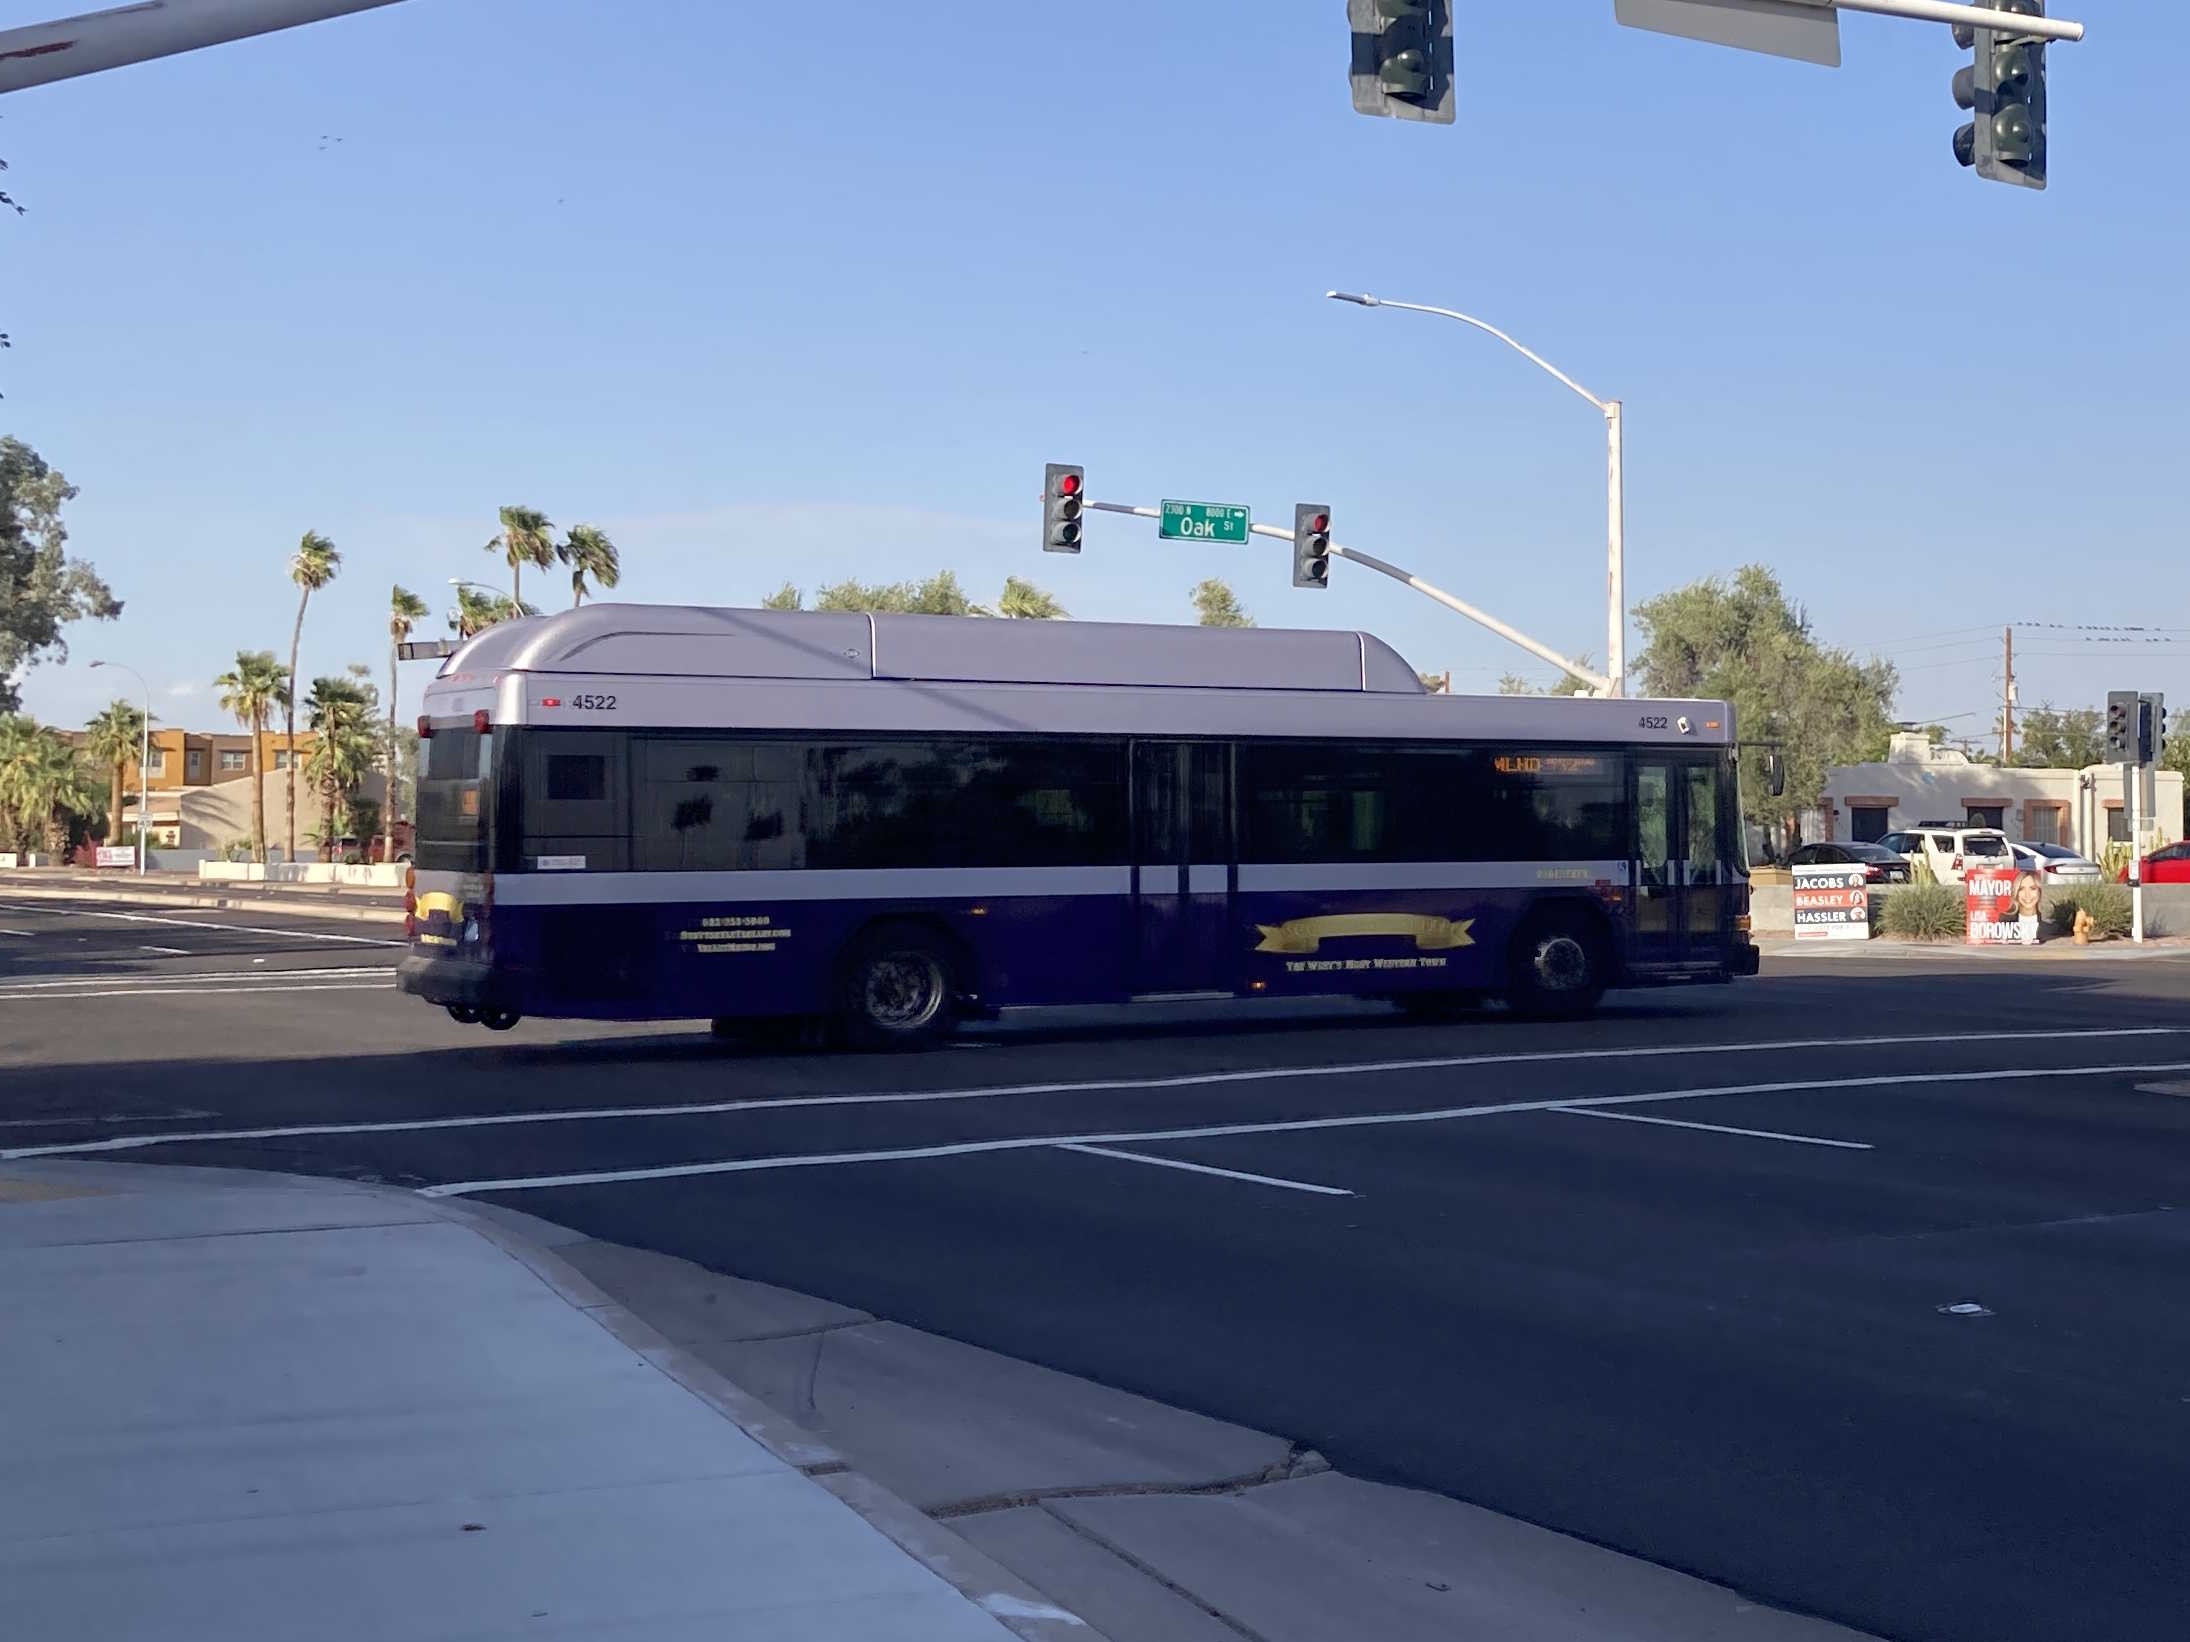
[{"x": 383, "y": 876}]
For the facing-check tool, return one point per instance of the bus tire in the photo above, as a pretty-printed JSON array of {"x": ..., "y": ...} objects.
[
  {"x": 463, "y": 1014},
  {"x": 498, "y": 1020},
  {"x": 1557, "y": 966},
  {"x": 900, "y": 989}
]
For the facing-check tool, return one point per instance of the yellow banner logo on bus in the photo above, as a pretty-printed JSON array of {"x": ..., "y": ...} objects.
[{"x": 1306, "y": 934}]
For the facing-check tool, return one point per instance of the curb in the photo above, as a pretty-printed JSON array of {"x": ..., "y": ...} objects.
[
  {"x": 987, "y": 1584},
  {"x": 1002, "y": 1595},
  {"x": 388, "y": 914}
]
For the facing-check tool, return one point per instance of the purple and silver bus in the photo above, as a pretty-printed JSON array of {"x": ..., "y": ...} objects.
[{"x": 633, "y": 812}]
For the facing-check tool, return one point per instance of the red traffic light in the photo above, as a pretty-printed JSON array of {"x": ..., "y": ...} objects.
[
  {"x": 1320, "y": 523},
  {"x": 1068, "y": 484}
]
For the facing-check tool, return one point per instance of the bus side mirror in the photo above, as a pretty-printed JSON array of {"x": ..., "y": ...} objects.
[{"x": 1775, "y": 773}]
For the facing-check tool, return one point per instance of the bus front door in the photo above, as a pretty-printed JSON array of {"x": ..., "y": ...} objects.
[
  {"x": 1183, "y": 876},
  {"x": 1682, "y": 872}
]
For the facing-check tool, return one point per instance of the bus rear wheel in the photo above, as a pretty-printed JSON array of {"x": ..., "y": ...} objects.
[
  {"x": 1557, "y": 967},
  {"x": 498, "y": 1020},
  {"x": 900, "y": 990}
]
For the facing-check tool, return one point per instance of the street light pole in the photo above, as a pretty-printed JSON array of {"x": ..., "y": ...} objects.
[
  {"x": 1616, "y": 509},
  {"x": 144, "y": 764}
]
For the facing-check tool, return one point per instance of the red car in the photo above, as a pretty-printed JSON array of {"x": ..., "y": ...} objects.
[{"x": 2165, "y": 866}]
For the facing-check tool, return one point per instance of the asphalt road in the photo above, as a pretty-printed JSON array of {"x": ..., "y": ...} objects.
[{"x": 1862, "y": 1287}]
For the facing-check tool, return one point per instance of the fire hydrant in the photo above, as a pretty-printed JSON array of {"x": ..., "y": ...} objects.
[{"x": 2085, "y": 923}]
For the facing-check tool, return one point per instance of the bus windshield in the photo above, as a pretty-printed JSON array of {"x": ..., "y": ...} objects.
[{"x": 454, "y": 792}]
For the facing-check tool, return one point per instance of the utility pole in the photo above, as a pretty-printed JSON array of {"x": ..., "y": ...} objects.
[{"x": 2007, "y": 700}]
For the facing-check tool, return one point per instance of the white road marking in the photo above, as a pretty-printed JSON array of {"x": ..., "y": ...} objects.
[
  {"x": 1213, "y": 1131},
  {"x": 172, "y": 991},
  {"x": 330, "y": 972},
  {"x": 19, "y": 934},
  {"x": 1715, "y": 1128},
  {"x": 199, "y": 923},
  {"x": 168, "y": 951},
  {"x": 1204, "y": 1168},
  {"x": 769, "y": 1103},
  {"x": 178, "y": 1116}
]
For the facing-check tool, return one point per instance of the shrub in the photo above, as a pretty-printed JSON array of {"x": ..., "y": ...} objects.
[
  {"x": 1925, "y": 912},
  {"x": 2108, "y": 905}
]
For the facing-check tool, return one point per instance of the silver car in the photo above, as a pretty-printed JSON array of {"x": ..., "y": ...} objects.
[{"x": 2057, "y": 864}]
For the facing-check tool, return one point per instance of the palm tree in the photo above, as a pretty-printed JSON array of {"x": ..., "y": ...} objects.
[
  {"x": 346, "y": 743},
  {"x": 475, "y": 612},
  {"x": 311, "y": 567},
  {"x": 405, "y": 610},
  {"x": 526, "y": 538},
  {"x": 42, "y": 783},
  {"x": 1021, "y": 598},
  {"x": 589, "y": 552},
  {"x": 116, "y": 739},
  {"x": 251, "y": 692}
]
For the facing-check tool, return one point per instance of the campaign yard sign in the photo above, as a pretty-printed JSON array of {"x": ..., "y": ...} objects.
[
  {"x": 2003, "y": 906},
  {"x": 1832, "y": 903}
]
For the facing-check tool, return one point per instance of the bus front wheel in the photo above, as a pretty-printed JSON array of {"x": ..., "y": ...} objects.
[
  {"x": 1557, "y": 967},
  {"x": 900, "y": 990}
]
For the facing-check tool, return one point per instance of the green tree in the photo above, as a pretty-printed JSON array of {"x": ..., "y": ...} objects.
[
  {"x": 43, "y": 783},
  {"x": 250, "y": 692},
  {"x": 1216, "y": 605},
  {"x": 311, "y": 567},
  {"x": 1023, "y": 601},
  {"x": 1513, "y": 684},
  {"x": 526, "y": 538},
  {"x": 405, "y": 611},
  {"x": 2175, "y": 755},
  {"x": 476, "y": 611},
  {"x": 115, "y": 740},
  {"x": 785, "y": 597},
  {"x": 346, "y": 744},
  {"x": 590, "y": 554},
  {"x": 42, "y": 589},
  {"x": 2056, "y": 740},
  {"x": 1743, "y": 641},
  {"x": 939, "y": 595}
]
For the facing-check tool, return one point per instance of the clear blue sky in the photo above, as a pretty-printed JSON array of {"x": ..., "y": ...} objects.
[{"x": 764, "y": 307}]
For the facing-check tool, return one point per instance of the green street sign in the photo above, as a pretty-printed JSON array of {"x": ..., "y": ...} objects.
[{"x": 1203, "y": 522}]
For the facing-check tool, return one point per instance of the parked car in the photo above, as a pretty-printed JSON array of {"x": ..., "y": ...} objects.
[
  {"x": 1946, "y": 850},
  {"x": 2170, "y": 865},
  {"x": 2057, "y": 863},
  {"x": 1880, "y": 865}
]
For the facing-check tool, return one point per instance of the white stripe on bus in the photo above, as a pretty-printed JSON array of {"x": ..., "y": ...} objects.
[{"x": 1014, "y": 883}]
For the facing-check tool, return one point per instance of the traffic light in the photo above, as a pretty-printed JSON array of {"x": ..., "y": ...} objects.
[
  {"x": 2151, "y": 728},
  {"x": 2004, "y": 87},
  {"x": 1062, "y": 495},
  {"x": 1312, "y": 544},
  {"x": 1402, "y": 58},
  {"x": 2122, "y": 712}
]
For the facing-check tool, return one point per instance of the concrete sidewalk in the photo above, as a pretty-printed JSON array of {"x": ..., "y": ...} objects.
[{"x": 255, "y": 1406}]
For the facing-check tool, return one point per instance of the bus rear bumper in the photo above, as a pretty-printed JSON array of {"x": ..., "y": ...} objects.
[
  {"x": 452, "y": 981},
  {"x": 1739, "y": 960}
]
